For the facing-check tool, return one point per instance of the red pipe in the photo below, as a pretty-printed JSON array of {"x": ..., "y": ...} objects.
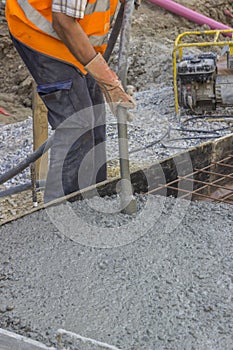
[
  {"x": 3, "y": 111},
  {"x": 191, "y": 15}
]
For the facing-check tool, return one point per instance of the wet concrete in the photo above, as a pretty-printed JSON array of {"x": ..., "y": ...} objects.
[
  {"x": 162, "y": 280},
  {"x": 13, "y": 341}
]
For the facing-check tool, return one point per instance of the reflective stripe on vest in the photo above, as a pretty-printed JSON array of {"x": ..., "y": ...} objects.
[
  {"x": 45, "y": 26},
  {"x": 98, "y": 6},
  {"x": 37, "y": 19},
  {"x": 98, "y": 40}
]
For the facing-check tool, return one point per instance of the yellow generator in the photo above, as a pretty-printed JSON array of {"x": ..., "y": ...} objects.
[{"x": 203, "y": 82}]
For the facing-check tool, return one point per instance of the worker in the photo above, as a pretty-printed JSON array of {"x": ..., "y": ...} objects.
[{"x": 62, "y": 44}]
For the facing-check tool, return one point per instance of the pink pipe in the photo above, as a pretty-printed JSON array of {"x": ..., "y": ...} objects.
[{"x": 191, "y": 15}]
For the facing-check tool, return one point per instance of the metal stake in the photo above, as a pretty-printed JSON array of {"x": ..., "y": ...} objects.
[
  {"x": 33, "y": 182},
  {"x": 128, "y": 202}
]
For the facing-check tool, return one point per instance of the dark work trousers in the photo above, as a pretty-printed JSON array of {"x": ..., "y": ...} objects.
[{"x": 76, "y": 111}]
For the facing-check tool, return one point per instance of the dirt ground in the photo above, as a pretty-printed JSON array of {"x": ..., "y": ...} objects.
[{"x": 153, "y": 33}]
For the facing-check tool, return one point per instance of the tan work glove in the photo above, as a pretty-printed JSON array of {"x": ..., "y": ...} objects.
[{"x": 109, "y": 84}]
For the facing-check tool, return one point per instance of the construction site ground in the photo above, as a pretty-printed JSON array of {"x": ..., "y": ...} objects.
[
  {"x": 150, "y": 71},
  {"x": 161, "y": 279}
]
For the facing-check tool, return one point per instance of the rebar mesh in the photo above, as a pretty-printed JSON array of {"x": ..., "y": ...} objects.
[{"x": 211, "y": 183}]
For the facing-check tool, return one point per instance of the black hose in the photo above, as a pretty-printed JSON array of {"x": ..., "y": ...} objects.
[
  {"x": 150, "y": 144},
  {"x": 194, "y": 138},
  {"x": 27, "y": 161},
  {"x": 201, "y": 131},
  {"x": 21, "y": 188},
  {"x": 114, "y": 33}
]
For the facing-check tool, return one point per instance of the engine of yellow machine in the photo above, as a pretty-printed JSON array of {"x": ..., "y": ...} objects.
[{"x": 203, "y": 82}]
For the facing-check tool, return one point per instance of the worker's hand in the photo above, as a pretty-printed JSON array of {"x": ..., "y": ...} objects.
[
  {"x": 4, "y": 112},
  {"x": 109, "y": 83}
]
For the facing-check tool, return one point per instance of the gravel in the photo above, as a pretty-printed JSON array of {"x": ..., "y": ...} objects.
[
  {"x": 155, "y": 133},
  {"x": 162, "y": 279}
]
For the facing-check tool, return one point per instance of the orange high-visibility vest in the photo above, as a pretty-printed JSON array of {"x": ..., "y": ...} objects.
[{"x": 30, "y": 21}]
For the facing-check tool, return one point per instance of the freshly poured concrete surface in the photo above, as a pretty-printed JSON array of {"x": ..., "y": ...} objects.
[
  {"x": 13, "y": 341},
  {"x": 167, "y": 285}
]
